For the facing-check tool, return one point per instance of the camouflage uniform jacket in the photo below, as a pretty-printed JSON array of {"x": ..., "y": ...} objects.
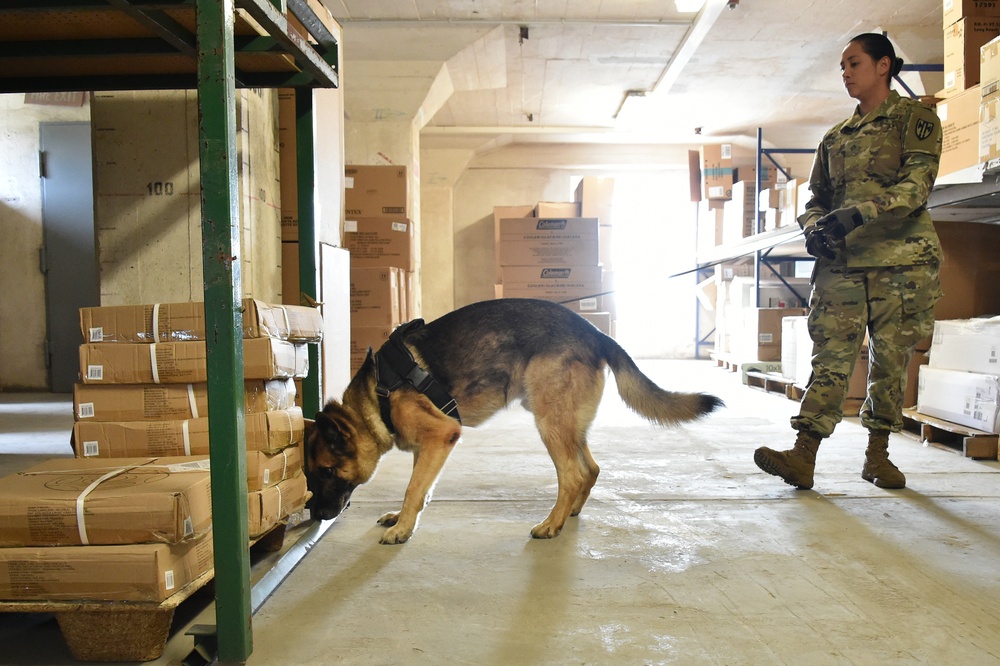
[{"x": 885, "y": 164}]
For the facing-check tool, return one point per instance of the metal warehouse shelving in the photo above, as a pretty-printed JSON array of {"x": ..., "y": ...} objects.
[{"x": 213, "y": 46}]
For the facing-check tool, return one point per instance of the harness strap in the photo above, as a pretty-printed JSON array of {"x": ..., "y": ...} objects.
[{"x": 394, "y": 365}]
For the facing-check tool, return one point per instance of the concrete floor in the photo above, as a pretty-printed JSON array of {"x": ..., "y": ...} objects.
[{"x": 685, "y": 554}]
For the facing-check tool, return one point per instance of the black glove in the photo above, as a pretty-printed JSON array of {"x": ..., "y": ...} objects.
[
  {"x": 839, "y": 223},
  {"x": 817, "y": 244}
]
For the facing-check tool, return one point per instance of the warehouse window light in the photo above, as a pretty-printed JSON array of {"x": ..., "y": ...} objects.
[{"x": 689, "y": 5}]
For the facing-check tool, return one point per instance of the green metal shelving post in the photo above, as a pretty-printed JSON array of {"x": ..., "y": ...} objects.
[
  {"x": 224, "y": 324},
  {"x": 308, "y": 246}
]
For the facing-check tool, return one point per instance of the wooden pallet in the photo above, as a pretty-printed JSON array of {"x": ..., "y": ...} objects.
[
  {"x": 973, "y": 443},
  {"x": 113, "y": 630},
  {"x": 771, "y": 382},
  {"x": 127, "y": 630}
]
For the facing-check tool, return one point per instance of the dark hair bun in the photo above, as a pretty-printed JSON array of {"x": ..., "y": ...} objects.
[{"x": 897, "y": 66}]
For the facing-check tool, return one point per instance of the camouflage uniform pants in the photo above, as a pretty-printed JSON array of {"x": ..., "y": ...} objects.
[{"x": 895, "y": 304}]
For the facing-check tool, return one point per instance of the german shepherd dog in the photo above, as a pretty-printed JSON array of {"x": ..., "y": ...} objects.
[{"x": 486, "y": 356}]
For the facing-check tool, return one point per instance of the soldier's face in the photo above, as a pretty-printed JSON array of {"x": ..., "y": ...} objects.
[{"x": 862, "y": 75}]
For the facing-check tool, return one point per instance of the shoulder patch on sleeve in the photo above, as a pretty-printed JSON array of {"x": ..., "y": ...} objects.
[{"x": 923, "y": 131}]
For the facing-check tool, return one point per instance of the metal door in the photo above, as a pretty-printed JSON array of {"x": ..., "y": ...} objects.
[{"x": 68, "y": 257}]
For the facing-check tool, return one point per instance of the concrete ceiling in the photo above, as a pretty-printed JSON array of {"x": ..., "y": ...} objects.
[{"x": 557, "y": 71}]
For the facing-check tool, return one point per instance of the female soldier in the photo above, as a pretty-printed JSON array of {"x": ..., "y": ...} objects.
[{"x": 877, "y": 259}]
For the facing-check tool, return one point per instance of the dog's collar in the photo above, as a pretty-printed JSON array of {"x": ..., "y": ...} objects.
[{"x": 394, "y": 365}]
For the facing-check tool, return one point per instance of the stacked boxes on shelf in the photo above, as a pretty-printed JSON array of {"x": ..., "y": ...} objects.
[
  {"x": 143, "y": 392},
  {"x": 560, "y": 251},
  {"x": 381, "y": 239},
  {"x": 961, "y": 384},
  {"x": 115, "y": 529},
  {"x": 967, "y": 113}
]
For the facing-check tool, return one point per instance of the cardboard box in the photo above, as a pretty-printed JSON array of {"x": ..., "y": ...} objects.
[
  {"x": 185, "y": 322},
  {"x": 989, "y": 67},
  {"x": 375, "y": 191},
  {"x": 802, "y": 198},
  {"x": 955, "y": 10},
  {"x": 790, "y": 203},
  {"x": 570, "y": 241},
  {"x": 962, "y": 43},
  {"x": 265, "y": 470},
  {"x": 375, "y": 296},
  {"x": 717, "y": 170},
  {"x": 500, "y": 213},
  {"x": 380, "y": 242},
  {"x": 557, "y": 209},
  {"x": 595, "y": 194},
  {"x": 970, "y": 271},
  {"x": 969, "y": 345},
  {"x": 269, "y": 432},
  {"x": 363, "y": 337},
  {"x": 989, "y": 128},
  {"x": 759, "y": 335},
  {"x": 73, "y": 501},
  {"x": 139, "y": 402},
  {"x": 271, "y": 506},
  {"x": 605, "y": 255},
  {"x": 561, "y": 284},
  {"x": 959, "y": 116},
  {"x": 290, "y": 291},
  {"x": 186, "y": 362},
  {"x": 738, "y": 220},
  {"x": 148, "y": 572},
  {"x": 966, "y": 398}
]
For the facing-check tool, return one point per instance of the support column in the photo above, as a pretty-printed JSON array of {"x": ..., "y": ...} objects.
[{"x": 224, "y": 323}]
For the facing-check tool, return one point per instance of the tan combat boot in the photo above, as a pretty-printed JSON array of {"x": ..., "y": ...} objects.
[
  {"x": 878, "y": 469},
  {"x": 795, "y": 466}
]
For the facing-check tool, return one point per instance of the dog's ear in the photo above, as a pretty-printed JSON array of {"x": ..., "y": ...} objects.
[{"x": 335, "y": 431}]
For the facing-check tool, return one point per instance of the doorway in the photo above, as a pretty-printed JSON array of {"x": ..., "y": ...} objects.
[{"x": 68, "y": 257}]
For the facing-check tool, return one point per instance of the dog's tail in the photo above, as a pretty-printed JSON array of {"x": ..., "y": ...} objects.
[{"x": 650, "y": 401}]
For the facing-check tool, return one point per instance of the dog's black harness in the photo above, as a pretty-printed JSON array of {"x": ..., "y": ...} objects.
[{"x": 394, "y": 365}]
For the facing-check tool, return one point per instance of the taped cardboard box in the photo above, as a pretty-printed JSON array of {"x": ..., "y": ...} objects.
[
  {"x": 185, "y": 362},
  {"x": 265, "y": 470},
  {"x": 955, "y": 10},
  {"x": 560, "y": 284},
  {"x": 572, "y": 241},
  {"x": 273, "y": 505},
  {"x": 377, "y": 296},
  {"x": 380, "y": 242},
  {"x": 363, "y": 337},
  {"x": 139, "y": 572},
  {"x": 185, "y": 322},
  {"x": 501, "y": 213},
  {"x": 142, "y": 402},
  {"x": 73, "y": 501},
  {"x": 557, "y": 209},
  {"x": 375, "y": 190},
  {"x": 595, "y": 195},
  {"x": 268, "y": 432}
]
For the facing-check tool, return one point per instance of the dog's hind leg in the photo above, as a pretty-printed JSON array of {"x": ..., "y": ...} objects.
[
  {"x": 564, "y": 411},
  {"x": 591, "y": 470}
]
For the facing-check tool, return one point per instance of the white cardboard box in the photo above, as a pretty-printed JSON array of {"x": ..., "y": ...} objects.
[
  {"x": 966, "y": 398},
  {"x": 971, "y": 345}
]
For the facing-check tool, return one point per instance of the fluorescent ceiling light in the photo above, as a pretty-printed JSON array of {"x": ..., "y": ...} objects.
[{"x": 689, "y": 5}]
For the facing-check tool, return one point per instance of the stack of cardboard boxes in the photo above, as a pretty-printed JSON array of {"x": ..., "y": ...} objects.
[
  {"x": 381, "y": 239},
  {"x": 961, "y": 384},
  {"x": 967, "y": 109},
  {"x": 130, "y": 518},
  {"x": 560, "y": 251},
  {"x": 143, "y": 392},
  {"x": 133, "y": 529}
]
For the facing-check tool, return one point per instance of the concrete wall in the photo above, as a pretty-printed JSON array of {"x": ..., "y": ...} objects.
[{"x": 22, "y": 308}]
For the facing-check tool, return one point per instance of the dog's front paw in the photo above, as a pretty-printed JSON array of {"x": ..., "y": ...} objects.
[
  {"x": 545, "y": 530},
  {"x": 395, "y": 535},
  {"x": 389, "y": 519}
]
